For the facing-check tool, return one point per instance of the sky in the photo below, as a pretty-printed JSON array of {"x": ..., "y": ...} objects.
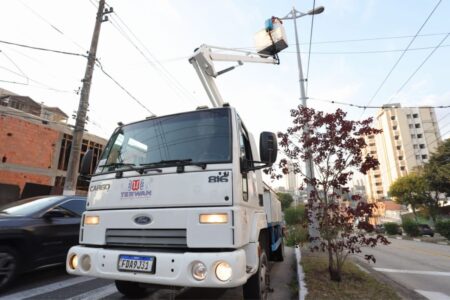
[{"x": 354, "y": 46}]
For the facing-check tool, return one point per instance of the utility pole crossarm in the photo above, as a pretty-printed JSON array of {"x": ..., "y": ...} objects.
[{"x": 203, "y": 62}]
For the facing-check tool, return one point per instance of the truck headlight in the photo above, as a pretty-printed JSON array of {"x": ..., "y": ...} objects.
[
  {"x": 220, "y": 218},
  {"x": 199, "y": 271},
  {"x": 91, "y": 220},
  {"x": 73, "y": 261},
  {"x": 223, "y": 271}
]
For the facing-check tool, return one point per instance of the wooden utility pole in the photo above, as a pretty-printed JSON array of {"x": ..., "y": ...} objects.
[{"x": 70, "y": 184}]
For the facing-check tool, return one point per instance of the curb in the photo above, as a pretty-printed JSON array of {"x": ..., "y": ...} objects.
[
  {"x": 302, "y": 291},
  {"x": 419, "y": 240}
]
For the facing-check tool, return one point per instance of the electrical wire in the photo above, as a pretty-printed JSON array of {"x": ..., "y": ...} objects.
[
  {"x": 382, "y": 107},
  {"x": 15, "y": 65},
  {"x": 355, "y": 40},
  {"x": 369, "y": 51},
  {"x": 43, "y": 49},
  {"x": 51, "y": 25},
  {"x": 309, "y": 48},
  {"x": 420, "y": 66},
  {"x": 122, "y": 87},
  {"x": 401, "y": 56},
  {"x": 154, "y": 62}
]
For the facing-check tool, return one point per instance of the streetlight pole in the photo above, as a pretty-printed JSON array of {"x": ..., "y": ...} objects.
[{"x": 313, "y": 228}]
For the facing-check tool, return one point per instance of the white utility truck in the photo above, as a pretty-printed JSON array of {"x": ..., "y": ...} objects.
[{"x": 179, "y": 200}]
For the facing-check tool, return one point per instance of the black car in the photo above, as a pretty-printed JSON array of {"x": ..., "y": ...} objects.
[
  {"x": 424, "y": 229},
  {"x": 37, "y": 232}
]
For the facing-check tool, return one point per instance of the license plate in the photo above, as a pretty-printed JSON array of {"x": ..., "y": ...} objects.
[{"x": 136, "y": 263}]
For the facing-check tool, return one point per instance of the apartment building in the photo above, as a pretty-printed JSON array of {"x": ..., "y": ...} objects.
[{"x": 410, "y": 135}]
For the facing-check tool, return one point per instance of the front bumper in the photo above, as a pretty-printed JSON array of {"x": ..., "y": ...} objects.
[{"x": 171, "y": 268}]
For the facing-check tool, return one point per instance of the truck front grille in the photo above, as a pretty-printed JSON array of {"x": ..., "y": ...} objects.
[{"x": 146, "y": 237}]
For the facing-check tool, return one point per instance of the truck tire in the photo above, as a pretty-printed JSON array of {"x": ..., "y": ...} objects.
[
  {"x": 257, "y": 286},
  {"x": 9, "y": 266},
  {"x": 131, "y": 289},
  {"x": 278, "y": 255}
]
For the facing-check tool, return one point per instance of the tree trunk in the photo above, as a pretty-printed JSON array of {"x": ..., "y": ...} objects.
[
  {"x": 414, "y": 212},
  {"x": 335, "y": 275}
]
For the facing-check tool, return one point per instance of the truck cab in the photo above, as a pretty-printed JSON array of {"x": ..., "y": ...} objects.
[{"x": 179, "y": 200}]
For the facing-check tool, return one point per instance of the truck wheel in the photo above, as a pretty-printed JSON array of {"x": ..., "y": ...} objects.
[
  {"x": 8, "y": 266},
  {"x": 278, "y": 255},
  {"x": 131, "y": 289},
  {"x": 257, "y": 286}
]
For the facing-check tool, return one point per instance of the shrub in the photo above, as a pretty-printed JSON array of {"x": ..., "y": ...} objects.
[
  {"x": 392, "y": 228},
  {"x": 296, "y": 234},
  {"x": 410, "y": 227},
  {"x": 295, "y": 215},
  {"x": 443, "y": 228}
]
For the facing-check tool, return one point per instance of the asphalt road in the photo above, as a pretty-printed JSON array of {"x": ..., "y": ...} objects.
[
  {"x": 55, "y": 283},
  {"x": 422, "y": 267}
]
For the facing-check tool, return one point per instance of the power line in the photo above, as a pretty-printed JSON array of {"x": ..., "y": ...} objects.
[
  {"x": 309, "y": 48},
  {"x": 420, "y": 66},
  {"x": 370, "y": 51},
  {"x": 368, "y": 106},
  {"x": 356, "y": 40},
  {"x": 15, "y": 65},
  {"x": 43, "y": 49},
  {"x": 401, "y": 56},
  {"x": 51, "y": 25},
  {"x": 154, "y": 62},
  {"x": 122, "y": 87}
]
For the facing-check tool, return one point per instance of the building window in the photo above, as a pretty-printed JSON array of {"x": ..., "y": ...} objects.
[
  {"x": 373, "y": 152},
  {"x": 379, "y": 192},
  {"x": 371, "y": 137},
  {"x": 396, "y": 137},
  {"x": 372, "y": 144},
  {"x": 399, "y": 147},
  {"x": 419, "y": 136},
  {"x": 408, "y": 116},
  {"x": 424, "y": 156},
  {"x": 417, "y": 157},
  {"x": 378, "y": 183},
  {"x": 377, "y": 176},
  {"x": 415, "y": 146},
  {"x": 422, "y": 146},
  {"x": 417, "y": 125},
  {"x": 394, "y": 127},
  {"x": 402, "y": 168},
  {"x": 413, "y": 136},
  {"x": 393, "y": 118},
  {"x": 415, "y": 116},
  {"x": 411, "y": 125},
  {"x": 400, "y": 158}
]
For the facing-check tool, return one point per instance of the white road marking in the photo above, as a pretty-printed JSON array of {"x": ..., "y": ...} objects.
[
  {"x": 46, "y": 288},
  {"x": 362, "y": 269},
  {"x": 95, "y": 294},
  {"x": 433, "y": 295},
  {"x": 417, "y": 272}
]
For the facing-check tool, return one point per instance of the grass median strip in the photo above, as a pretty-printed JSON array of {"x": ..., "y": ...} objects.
[{"x": 355, "y": 283}]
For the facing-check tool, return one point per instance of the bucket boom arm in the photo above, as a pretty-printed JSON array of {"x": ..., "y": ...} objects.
[{"x": 203, "y": 62}]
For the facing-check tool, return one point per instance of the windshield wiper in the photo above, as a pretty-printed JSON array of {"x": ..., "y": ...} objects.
[
  {"x": 179, "y": 163},
  {"x": 118, "y": 164}
]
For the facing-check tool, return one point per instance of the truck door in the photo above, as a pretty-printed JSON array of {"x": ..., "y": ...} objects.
[{"x": 249, "y": 191}]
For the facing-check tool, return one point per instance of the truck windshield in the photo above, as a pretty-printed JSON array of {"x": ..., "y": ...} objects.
[{"x": 194, "y": 137}]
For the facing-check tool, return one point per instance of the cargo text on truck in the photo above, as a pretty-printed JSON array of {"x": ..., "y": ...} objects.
[{"x": 179, "y": 200}]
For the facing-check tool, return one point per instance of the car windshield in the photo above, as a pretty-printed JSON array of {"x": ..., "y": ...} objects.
[
  {"x": 29, "y": 206},
  {"x": 189, "y": 138}
]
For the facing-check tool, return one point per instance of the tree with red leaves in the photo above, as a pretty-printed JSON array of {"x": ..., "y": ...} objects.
[{"x": 335, "y": 146}]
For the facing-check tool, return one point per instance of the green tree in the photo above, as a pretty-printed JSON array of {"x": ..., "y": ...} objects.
[
  {"x": 437, "y": 175},
  {"x": 410, "y": 190},
  {"x": 285, "y": 199}
]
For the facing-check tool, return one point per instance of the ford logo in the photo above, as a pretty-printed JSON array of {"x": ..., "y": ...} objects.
[{"x": 142, "y": 220}]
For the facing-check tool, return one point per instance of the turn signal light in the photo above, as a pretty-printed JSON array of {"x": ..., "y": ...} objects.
[
  {"x": 221, "y": 218},
  {"x": 91, "y": 220}
]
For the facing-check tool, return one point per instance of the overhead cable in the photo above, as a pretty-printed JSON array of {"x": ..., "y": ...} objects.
[
  {"x": 369, "y": 106},
  {"x": 43, "y": 49},
  {"x": 402, "y": 55},
  {"x": 122, "y": 87}
]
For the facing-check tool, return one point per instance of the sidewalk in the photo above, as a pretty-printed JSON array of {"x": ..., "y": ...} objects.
[{"x": 282, "y": 275}]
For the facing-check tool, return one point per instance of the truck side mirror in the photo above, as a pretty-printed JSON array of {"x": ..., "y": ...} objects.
[
  {"x": 268, "y": 147},
  {"x": 86, "y": 163}
]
